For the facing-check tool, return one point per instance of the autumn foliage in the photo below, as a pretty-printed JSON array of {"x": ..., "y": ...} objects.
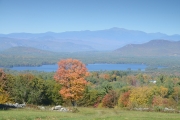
[
  {"x": 110, "y": 99},
  {"x": 140, "y": 96},
  {"x": 108, "y": 89},
  {"x": 124, "y": 99},
  {"x": 159, "y": 101},
  {"x": 71, "y": 75},
  {"x": 4, "y": 96}
]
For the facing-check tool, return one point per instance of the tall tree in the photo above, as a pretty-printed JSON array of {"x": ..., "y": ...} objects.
[{"x": 71, "y": 75}]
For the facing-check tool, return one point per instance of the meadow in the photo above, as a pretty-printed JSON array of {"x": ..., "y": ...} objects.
[{"x": 85, "y": 113}]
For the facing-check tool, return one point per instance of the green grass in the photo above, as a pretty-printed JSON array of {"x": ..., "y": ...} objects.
[{"x": 85, "y": 114}]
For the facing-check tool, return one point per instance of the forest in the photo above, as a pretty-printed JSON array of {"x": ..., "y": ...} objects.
[
  {"x": 109, "y": 89},
  {"x": 31, "y": 57}
]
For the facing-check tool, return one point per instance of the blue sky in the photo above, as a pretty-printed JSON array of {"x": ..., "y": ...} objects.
[{"x": 37, "y": 16}]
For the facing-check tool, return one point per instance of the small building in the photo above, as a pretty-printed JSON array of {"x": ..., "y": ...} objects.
[{"x": 153, "y": 81}]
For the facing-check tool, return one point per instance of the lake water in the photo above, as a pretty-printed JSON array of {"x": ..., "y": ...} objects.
[{"x": 90, "y": 67}]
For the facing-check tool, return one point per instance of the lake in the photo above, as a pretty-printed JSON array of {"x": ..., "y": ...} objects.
[{"x": 90, "y": 67}]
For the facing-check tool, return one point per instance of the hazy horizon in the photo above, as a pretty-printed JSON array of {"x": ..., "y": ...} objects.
[{"x": 87, "y": 30}]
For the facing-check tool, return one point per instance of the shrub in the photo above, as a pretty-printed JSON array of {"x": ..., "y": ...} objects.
[
  {"x": 159, "y": 101},
  {"x": 124, "y": 99},
  {"x": 110, "y": 99},
  {"x": 158, "y": 108}
]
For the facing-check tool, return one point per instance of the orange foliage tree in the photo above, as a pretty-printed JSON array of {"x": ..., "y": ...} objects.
[{"x": 71, "y": 75}]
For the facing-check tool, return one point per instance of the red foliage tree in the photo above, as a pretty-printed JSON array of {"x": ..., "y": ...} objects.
[
  {"x": 160, "y": 101},
  {"x": 71, "y": 75},
  {"x": 124, "y": 99},
  {"x": 110, "y": 99}
]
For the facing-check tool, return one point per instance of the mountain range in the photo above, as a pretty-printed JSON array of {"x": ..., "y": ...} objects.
[
  {"x": 151, "y": 48},
  {"x": 74, "y": 41}
]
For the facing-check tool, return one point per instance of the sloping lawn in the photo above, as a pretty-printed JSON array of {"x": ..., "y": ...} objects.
[{"x": 85, "y": 114}]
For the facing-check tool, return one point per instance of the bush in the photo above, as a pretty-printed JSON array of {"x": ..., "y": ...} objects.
[
  {"x": 160, "y": 101},
  {"x": 158, "y": 108},
  {"x": 124, "y": 99},
  {"x": 110, "y": 99},
  {"x": 75, "y": 110}
]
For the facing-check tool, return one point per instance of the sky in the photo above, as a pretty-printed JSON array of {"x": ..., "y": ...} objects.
[{"x": 38, "y": 16}]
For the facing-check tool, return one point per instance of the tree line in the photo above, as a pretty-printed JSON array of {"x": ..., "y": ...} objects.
[
  {"x": 24, "y": 59},
  {"x": 73, "y": 84}
]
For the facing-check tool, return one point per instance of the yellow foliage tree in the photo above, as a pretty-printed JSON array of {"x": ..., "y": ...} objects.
[
  {"x": 3, "y": 94},
  {"x": 140, "y": 96},
  {"x": 4, "y": 97},
  {"x": 176, "y": 94},
  {"x": 163, "y": 91}
]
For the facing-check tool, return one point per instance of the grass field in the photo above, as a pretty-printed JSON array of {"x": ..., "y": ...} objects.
[{"x": 85, "y": 114}]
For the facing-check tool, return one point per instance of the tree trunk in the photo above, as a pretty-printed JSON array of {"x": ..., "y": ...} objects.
[{"x": 73, "y": 102}]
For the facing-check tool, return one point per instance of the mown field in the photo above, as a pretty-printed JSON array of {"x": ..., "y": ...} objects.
[{"x": 85, "y": 114}]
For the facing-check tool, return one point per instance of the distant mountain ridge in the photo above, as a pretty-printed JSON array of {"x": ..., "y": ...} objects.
[
  {"x": 26, "y": 51},
  {"x": 151, "y": 48},
  {"x": 45, "y": 44},
  {"x": 73, "y": 41}
]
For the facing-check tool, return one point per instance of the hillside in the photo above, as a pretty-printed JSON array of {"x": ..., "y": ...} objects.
[
  {"x": 151, "y": 48},
  {"x": 45, "y": 43},
  {"x": 26, "y": 51},
  {"x": 26, "y": 56},
  {"x": 75, "y": 41}
]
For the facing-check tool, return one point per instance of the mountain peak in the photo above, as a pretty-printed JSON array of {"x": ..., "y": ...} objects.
[{"x": 117, "y": 29}]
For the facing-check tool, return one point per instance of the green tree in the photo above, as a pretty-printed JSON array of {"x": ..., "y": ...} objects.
[
  {"x": 20, "y": 89},
  {"x": 36, "y": 93},
  {"x": 52, "y": 93}
]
